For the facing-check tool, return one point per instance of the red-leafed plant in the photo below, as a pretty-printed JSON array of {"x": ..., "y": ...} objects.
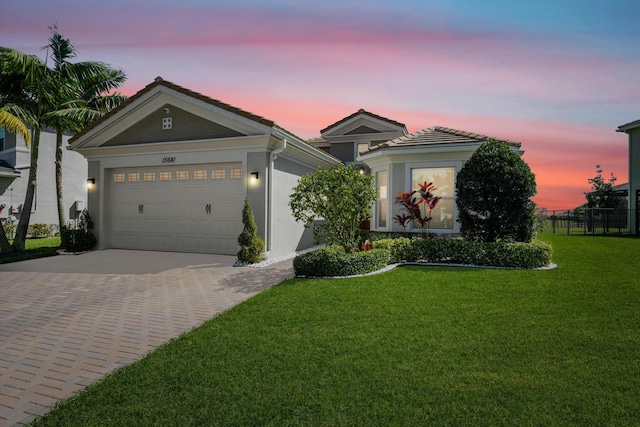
[{"x": 418, "y": 205}]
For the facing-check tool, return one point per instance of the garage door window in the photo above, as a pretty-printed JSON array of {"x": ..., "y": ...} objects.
[
  {"x": 134, "y": 177},
  {"x": 182, "y": 175},
  {"x": 218, "y": 174},
  {"x": 235, "y": 173},
  {"x": 166, "y": 176},
  {"x": 118, "y": 177},
  {"x": 200, "y": 174},
  {"x": 149, "y": 176}
]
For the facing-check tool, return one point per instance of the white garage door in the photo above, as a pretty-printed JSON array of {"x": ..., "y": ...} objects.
[{"x": 178, "y": 208}]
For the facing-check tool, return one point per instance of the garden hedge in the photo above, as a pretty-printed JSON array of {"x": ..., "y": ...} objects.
[
  {"x": 460, "y": 251},
  {"x": 333, "y": 261}
]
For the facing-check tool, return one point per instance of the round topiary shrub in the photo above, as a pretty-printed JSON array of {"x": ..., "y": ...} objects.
[{"x": 493, "y": 194}]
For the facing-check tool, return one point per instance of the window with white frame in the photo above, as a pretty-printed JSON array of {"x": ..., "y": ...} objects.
[
  {"x": 382, "y": 187},
  {"x": 443, "y": 178}
]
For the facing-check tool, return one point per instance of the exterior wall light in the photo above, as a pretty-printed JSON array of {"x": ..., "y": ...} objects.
[
  {"x": 90, "y": 183},
  {"x": 254, "y": 178}
]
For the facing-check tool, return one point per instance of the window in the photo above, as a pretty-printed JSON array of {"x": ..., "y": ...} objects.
[
  {"x": 382, "y": 187},
  {"x": 134, "y": 177},
  {"x": 118, "y": 177},
  {"x": 200, "y": 174},
  {"x": 443, "y": 179},
  {"x": 149, "y": 176},
  {"x": 218, "y": 174},
  {"x": 235, "y": 173},
  {"x": 182, "y": 175},
  {"x": 1, "y": 139},
  {"x": 166, "y": 176}
]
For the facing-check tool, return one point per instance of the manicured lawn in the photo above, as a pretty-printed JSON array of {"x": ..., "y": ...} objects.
[
  {"x": 35, "y": 248},
  {"x": 414, "y": 346}
]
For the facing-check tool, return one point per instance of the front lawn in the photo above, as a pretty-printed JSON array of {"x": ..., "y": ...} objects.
[
  {"x": 413, "y": 346},
  {"x": 35, "y": 248}
]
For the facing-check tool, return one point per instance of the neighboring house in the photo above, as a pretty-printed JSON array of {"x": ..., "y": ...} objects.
[
  {"x": 402, "y": 161},
  {"x": 171, "y": 169},
  {"x": 15, "y": 156},
  {"x": 633, "y": 130}
]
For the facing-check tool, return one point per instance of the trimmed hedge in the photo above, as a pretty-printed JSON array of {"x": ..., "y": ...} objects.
[
  {"x": 334, "y": 261},
  {"x": 461, "y": 251}
]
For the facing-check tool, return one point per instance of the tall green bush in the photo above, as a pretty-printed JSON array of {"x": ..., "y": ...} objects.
[
  {"x": 493, "y": 194},
  {"x": 251, "y": 245},
  {"x": 334, "y": 202}
]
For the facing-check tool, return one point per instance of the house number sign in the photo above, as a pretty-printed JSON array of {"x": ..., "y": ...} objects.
[{"x": 168, "y": 160}]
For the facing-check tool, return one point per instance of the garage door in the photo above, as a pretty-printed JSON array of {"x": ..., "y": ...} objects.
[{"x": 180, "y": 209}]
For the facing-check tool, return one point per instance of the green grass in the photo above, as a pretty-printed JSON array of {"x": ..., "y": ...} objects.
[
  {"x": 413, "y": 346},
  {"x": 35, "y": 248}
]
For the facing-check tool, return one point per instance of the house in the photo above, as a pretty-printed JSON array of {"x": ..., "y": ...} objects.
[
  {"x": 170, "y": 169},
  {"x": 633, "y": 130},
  {"x": 15, "y": 159},
  {"x": 402, "y": 161}
]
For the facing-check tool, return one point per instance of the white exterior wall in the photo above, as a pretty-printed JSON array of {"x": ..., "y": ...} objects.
[
  {"x": 45, "y": 207},
  {"x": 288, "y": 235}
]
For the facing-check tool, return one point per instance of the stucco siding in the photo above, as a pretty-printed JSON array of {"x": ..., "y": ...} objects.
[
  {"x": 184, "y": 126},
  {"x": 634, "y": 175},
  {"x": 343, "y": 151},
  {"x": 45, "y": 207},
  {"x": 288, "y": 236}
]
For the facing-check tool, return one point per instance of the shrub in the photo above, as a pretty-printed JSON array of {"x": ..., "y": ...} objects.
[
  {"x": 9, "y": 230},
  {"x": 251, "y": 245},
  {"x": 334, "y": 261},
  {"x": 341, "y": 198},
  {"x": 460, "y": 251},
  {"x": 493, "y": 194},
  {"x": 37, "y": 231},
  {"x": 80, "y": 239}
]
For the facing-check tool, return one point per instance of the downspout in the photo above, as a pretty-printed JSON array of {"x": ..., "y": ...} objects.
[{"x": 272, "y": 157}]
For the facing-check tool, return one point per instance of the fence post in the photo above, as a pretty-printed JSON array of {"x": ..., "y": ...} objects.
[{"x": 568, "y": 222}]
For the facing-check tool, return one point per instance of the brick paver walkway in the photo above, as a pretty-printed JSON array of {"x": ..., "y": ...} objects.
[{"x": 60, "y": 332}]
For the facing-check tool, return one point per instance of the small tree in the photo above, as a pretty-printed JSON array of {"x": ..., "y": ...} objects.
[
  {"x": 602, "y": 194},
  {"x": 340, "y": 197},
  {"x": 493, "y": 194},
  {"x": 418, "y": 206},
  {"x": 251, "y": 245}
]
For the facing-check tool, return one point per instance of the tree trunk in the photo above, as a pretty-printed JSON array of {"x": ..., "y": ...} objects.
[
  {"x": 61, "y": 216},
  {"x": 23, "y": 225}
]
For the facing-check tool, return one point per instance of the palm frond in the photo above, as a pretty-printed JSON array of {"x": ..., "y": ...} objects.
[{"x": 12, "y": 123}]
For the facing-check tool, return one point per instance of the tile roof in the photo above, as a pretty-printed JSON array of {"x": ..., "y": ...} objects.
[
  {"x": 362, "y": 111},
  {"x": 628, "y": 126},
  {"x": 438, "y": 135},
  {"x": 159, "y": 81}
]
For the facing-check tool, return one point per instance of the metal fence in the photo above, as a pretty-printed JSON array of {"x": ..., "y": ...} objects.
[{"x": 593, "y": 221}]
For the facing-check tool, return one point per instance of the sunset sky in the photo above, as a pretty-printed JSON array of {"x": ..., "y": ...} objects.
[{"x": 559, "y": 76}]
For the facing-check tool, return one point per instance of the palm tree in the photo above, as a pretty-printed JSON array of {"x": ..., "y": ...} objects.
[
  {"x": 67, "y": 97},
  {"x": 85, "y": 98}
]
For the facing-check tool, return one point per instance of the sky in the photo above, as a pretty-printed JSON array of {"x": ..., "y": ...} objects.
[{"x": 559, "y": 76}]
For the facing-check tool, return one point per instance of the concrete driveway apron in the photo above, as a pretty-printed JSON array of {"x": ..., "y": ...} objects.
[{"x": 67, "y": 321}]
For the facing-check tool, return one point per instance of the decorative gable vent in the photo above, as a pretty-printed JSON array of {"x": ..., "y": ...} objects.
[{"x": 167, "y": 122}]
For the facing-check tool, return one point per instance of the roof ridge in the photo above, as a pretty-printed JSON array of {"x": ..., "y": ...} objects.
[{"x": 363, "y": 111}]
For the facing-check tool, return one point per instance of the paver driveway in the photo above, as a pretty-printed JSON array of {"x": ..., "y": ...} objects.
[{"x": 66, "y": 321}]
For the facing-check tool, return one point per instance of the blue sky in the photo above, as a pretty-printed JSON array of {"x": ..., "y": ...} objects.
[{"x": 558, "y": 76}]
